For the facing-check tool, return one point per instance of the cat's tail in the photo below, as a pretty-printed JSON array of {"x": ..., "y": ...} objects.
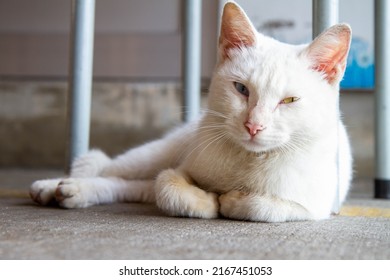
[{"x": 90, "y": 164}]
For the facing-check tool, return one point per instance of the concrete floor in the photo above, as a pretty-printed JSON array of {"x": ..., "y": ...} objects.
[{"x": 141, "y": 231}]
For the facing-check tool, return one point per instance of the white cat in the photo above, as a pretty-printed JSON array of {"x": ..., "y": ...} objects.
[{"x": 265, "y": 149}]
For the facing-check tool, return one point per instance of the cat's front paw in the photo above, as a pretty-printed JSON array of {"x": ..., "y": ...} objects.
[
  {"x": 230, "y": 204},
  {"x": 177, "y": 197},
  {"x": 252, "y": 207},
  {"x": 70, "y": 194},
  {"x": 43, "y": 191}
]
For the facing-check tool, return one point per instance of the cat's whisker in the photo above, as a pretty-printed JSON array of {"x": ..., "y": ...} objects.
[
  {"x": 297, "y": 143},
  {"x": 210, "y": 128},
  {"x": 182, "y": 148},
  {"x": 212, "y": 140},
  {"x": 226, "y": 139},
  {"x": 215, "y": 113},
  {"x": 211, "y": 124},
  {"x": 204, "y": 132},
  {"x": 188, "y": 141},
  {"x": 200, "y": 144},
  {"x": 210, "y": 137}
]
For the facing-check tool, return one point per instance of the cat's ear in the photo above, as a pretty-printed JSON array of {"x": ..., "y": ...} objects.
[
  {"x": 328, "y": 52},
  {"x": 237, "y": 30}
]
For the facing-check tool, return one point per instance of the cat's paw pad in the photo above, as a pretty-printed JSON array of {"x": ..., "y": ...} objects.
[
  {"x": 69, "y": 194},
  {"x": 43, "y": 191}
]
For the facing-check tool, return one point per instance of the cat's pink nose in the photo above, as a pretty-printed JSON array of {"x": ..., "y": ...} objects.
[{"x": 253, "y": 129}]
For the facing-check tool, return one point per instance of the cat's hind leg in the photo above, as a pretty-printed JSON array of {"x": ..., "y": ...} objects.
[
  {"x": 146, "y": 161},
  {"x": 254, "y": 207},
  {"x": 178, "y": 196},
  {"x": 90, "y": 164}
]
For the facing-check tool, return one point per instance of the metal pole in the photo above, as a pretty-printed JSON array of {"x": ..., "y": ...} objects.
[
  {"x": 382, "y": 99},
  {"x": 192, "y": 59},
  {"x": 326, "y": 14},
  {"x": 80, "y": 77}
]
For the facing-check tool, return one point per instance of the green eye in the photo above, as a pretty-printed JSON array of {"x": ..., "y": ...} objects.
[
  {"x": 289, "y": 100},
  {"x": 241, "y": 88}
]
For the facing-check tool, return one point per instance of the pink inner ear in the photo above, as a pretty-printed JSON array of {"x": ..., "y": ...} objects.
[
  {"x": 236, "y": 30},
  {"x": 231, "y": 39},
  {"x": 328, "y": 52},
  {"x": 332, "y": 65}
]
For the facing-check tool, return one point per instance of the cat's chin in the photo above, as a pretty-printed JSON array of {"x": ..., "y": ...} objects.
[{"x": 254, "y": 147}]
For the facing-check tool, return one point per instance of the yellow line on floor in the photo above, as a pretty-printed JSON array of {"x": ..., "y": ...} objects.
[
  {"x": 354, "y": 211},
  {"x": 14, "y": 193}
]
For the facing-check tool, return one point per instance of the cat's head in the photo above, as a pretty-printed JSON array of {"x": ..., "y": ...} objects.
[{"x": 269, "y": 95}]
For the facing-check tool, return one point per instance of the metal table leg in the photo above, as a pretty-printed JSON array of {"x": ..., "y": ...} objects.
[
  {"x": 382, "y": 99},
  {"x": 192, "y": 59},
  {"x": 80, "y": 77}
]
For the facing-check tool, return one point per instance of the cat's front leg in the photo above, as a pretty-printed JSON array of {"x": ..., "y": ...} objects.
[
  {"x": 84, "y": 192},
  {"x": 177, "y": 195},
  {"x": 255, "y": 207}
]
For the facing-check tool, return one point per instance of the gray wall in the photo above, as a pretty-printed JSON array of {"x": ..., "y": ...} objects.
[
  {"x": 134, "y": 39},
  {"x": 142, "y": 38}
]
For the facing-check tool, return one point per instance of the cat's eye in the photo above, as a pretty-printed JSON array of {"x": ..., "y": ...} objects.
[
  {"x": 241, "y": 88},
  {"x": 289, "y": 100}
]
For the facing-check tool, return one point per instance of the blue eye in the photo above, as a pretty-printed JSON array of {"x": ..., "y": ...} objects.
[{"x": 241, "y": 88}]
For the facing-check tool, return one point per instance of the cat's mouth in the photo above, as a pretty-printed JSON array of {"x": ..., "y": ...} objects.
[{"x": 260, "y": 144}]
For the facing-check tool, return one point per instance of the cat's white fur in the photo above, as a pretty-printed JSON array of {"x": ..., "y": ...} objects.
[{"x": 251, "y": 158}]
